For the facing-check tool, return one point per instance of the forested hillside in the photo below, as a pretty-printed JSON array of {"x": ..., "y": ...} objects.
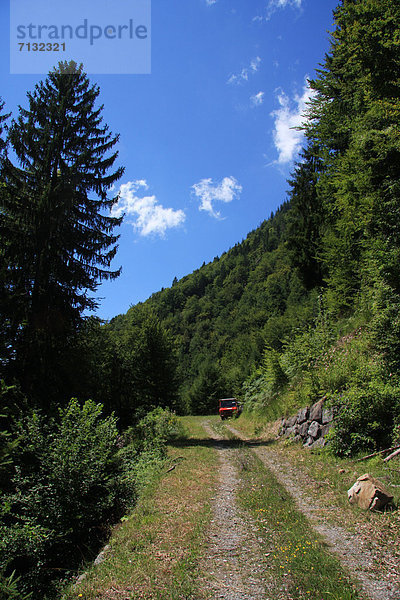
[
  {"x": 308, "y": 305},
  {"x": 222, "y": 315}
]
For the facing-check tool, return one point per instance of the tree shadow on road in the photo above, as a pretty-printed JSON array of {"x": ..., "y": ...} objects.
[{"x": 214, "y": 442}]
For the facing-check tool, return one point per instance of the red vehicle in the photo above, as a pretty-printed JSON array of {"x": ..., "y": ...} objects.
[{"x": 229, "y": 407}]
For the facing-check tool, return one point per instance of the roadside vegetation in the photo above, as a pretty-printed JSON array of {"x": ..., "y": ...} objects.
[
  {"x": 340, "y": 363},
  {"x": 71, "y": 479},
  {"x": 154, "y": 552}
]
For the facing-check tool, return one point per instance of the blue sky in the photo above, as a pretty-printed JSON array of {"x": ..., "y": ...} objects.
[{"x": 205, "y": 138}]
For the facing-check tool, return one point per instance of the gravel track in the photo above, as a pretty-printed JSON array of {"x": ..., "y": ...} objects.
[
  {"x": 348, "y": 547},
  {"x": 234, "y": 560}
]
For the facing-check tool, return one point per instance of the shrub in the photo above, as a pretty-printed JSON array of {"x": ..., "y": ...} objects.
[
  {"x": 9, "y": 588},
  {"x": 348, "y": 358},
  {"x": 66, "y": 487},
  {"x": 154, "y": 430},
  {"x": 366, "y": 416},
  {"x": 144, "y": 451}
]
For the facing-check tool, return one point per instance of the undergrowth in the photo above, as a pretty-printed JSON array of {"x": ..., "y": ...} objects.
[
  {"x": 155, "y": 551},
  {"x": 340, "y": 363},
  {"x": 69, "y": 480}
]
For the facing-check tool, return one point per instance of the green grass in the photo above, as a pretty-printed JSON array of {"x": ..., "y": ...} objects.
[
  {"x": 155, "y": 550},
  {"x": 341, "y": 473},
  {"x": 299, "y": 557}
]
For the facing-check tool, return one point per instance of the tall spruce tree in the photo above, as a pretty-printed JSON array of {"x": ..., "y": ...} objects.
[
  {"x": 4, "y": 293},
  {"x": 60, "y": 238},
  {"x": 306, "y": 218}
]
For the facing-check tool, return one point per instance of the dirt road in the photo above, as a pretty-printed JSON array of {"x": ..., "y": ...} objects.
[
  {"x": 234, "y": 519},
  {"x": 236, "y": 561}
]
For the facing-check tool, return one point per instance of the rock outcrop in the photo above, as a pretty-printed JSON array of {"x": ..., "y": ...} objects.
[{"x": 309, "y": 426}]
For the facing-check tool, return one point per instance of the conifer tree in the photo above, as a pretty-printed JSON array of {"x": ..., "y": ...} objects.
[
  {"x": 306, "y": 218},
  {"x": 354, "y": 123},
  {"x": 155, "y": 366},
  {"x": 4, "y": 294},
  {"x": 54, "y": 211}
]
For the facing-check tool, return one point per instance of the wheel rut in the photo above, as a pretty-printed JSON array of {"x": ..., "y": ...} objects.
[{"x": 233, "y": 557}]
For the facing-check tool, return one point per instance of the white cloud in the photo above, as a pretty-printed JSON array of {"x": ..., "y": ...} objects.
[
  {"x": 209, "y": 192},
  {"x": 257, "y": 99},
  {"x": 210, "y": 2},
  {"x": 255, "y": 63},
  {"x": 144, "y": 213},
  {"x": 246, "y": 71},
  {"x": 274, "y": 5},
  {"x": 290, "y": 115},
  {"x": 284, "y": 3}
]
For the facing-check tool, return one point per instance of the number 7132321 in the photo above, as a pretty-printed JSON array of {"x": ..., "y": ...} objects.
[{"x": 42, "y": 46}]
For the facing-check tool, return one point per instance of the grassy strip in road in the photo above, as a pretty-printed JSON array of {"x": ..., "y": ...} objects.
[
  {"x": 154, "y": 552},
  {"x": 299, "y": 558},
  {"x": 323, "y": 466},
  {"x": 327, "y": 479}
]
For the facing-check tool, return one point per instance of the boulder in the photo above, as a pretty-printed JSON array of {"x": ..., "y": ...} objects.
[
  {"x": 314, "y": 429},
  {"x": 288, "y": 432},
  {"x": 369, "y": 493},
  {"x": 103, "y": 554},
  {"x": 316, "y": 411},
  {"x": 291, "y": 421},
  {"x": 303, "y": 429},
  {"x": 325, "y": 429},
  {"x": 319, "y": 443},
  {"x": 308, "y": 442},
  {"x": 302, "y": 415},
  {"x": 327, "y": 416}
]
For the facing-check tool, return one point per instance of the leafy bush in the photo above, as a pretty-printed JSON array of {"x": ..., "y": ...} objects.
[
  {"x": 366, "y": 418},
  {"x": 71, "y": 479},
  {"x": 144, "y": 450},
  {"x": 154, "y": 430},
  {"x": 304, "y": 350},
  {"x": 274, "y": 376},
  {"x": 66, "y": 488},
  {"x": 344, "y": 361},
  {"x": 10, "y": 398},
  {"x": 254, "y": 392}
]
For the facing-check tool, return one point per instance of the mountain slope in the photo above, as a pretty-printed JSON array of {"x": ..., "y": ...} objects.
[{"x": 222, "y": 315}]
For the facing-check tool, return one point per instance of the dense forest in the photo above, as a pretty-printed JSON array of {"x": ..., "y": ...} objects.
[{"x": 308, "y": 305}]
